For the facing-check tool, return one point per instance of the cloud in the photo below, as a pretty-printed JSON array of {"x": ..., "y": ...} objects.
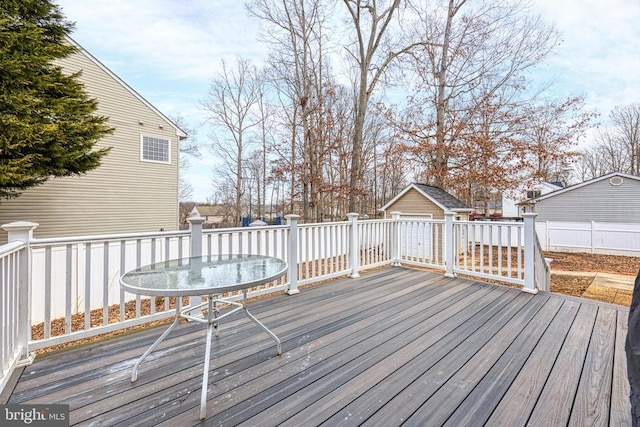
[
  {"x": 175, "y": 41},
  {"x": 599, "y": 56}
]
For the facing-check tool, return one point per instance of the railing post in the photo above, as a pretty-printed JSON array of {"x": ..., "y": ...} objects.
[
  {"x": 23, "y": 231},
  {"x": 354, "y": 245},
  {"x": 529, "y": 252},
  {"x": 292, "y": 256},
  {"x": 195, "y": 226},
  {"x": 448, "y": 244},
  {"x": 395, "y": 239}
]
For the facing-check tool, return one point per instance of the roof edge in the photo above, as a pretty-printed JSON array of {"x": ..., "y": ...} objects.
[
  {"x": 582, "y": 184},
  {"x": 179, "y": 132}
]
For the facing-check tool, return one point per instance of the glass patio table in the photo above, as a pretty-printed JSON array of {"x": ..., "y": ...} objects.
[{"x": 208, "y": 276}]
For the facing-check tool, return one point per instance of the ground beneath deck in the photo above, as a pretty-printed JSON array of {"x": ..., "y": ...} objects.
[{"x": 396, "y": 346}]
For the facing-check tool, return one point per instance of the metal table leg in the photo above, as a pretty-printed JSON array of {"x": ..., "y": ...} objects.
[
  {"x": 207, "y": 352},
  {"x": 134, "y": 373},
  {"x": 212, "y": 325},
  {"x": 257, "y": 322}
]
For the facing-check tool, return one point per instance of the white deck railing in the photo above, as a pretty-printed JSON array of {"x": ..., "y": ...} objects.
[
  {"x": 542, "y": 279},
  {"x": 490, "y": 249},
  {"x": 66, "y": 289},
  {"x": 13, "y": 317}
]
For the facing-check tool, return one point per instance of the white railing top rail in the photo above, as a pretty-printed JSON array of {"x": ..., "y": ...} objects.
[
  {"x": 501, "y": 223},
  {"x": 11, "y": 247},
  {"x": 426, "y": 220},
  {"x": 241, "y": 229},
  {"x": 39, "y": 242}
]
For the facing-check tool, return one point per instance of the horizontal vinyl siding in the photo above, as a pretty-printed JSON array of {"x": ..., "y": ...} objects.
[
  {"x": 413, "y": 202},
  {"x": 599, "y": 201},
  {"x": 124, "y": 194}
]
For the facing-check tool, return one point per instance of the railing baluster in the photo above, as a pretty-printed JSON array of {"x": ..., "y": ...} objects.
[
  {"x": 520, "y": 246},
  {"x": 499, "y": 251},
  {"x": 138, "y": 264},
  {"x": 105, "y": 284},
  {"x": 47, "y": 292},
  {"x": 68, "y": 288},
  {"x": 123, "y": 246},
  {"x": 87, "y": 286}
]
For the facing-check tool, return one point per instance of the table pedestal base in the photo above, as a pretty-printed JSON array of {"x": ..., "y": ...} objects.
[{"x": 212, "y": 322}]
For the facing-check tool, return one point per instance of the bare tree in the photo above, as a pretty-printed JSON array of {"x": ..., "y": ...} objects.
[
  {"x": 551, "y": 131},
  {"x": 373, "y": 52},
  {"x": 189, "y": 147},
  {"x": 230, "y": 107},
  {"x": 626, "y": 129},
  {"x": 616, "y": 147},
  {"x": 469, "y": 79},
  {"x": 296, "y": 33}
]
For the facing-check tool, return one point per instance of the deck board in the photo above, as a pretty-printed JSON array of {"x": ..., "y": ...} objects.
[
  {"x": 361, "y": 389},
  {"x": 522, "y": 395},
  {"x": 396, "y": 345},
  {"x": 489, "y": 390},
  {"x": 620, "y": 414},
  {"x": 593, "y": 397},
  {"x": 553, "y": 407}
]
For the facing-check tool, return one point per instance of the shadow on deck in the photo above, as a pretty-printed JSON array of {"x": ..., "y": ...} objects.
[{"x": 395, "y": 346}]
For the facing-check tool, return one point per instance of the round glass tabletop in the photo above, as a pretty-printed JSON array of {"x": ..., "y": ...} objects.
[{"x": 207, "y": 275}]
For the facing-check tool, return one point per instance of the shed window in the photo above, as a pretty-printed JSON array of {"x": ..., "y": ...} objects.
[{"x": 155, "y": 149}]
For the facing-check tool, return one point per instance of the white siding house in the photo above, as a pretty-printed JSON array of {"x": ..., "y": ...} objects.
[
  {"x": 526, "y": 190},
  {"x": 136, "y": 187},
  {"x": 610, "y": 198}
]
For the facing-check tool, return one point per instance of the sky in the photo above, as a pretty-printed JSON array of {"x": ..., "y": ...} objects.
[{"x": 168, "y": 51}]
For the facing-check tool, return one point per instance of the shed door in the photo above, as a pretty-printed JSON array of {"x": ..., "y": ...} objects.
[{"x": 416, "y": 236}]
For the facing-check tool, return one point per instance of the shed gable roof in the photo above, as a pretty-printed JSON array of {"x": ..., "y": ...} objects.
[
  {"x": 209, "y": 210},
  {"x": 437, "y": 195}
]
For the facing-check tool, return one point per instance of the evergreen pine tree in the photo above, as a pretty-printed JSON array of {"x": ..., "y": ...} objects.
[{"x": 48, "y": 125}]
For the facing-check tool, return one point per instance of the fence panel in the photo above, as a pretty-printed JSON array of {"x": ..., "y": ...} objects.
[
  {"x": 375, "y": 242},
  {"x": 421, "y": 242},
  {"x": 76, "y": 289},
  {"x": 491, "y": 250},
  {"x": 323, "y": 250},
  {"x": 594, "y": 237}
]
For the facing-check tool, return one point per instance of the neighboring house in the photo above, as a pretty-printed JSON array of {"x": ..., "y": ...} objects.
[
  {"x": 136, "y": 187},
  {"x": 610, "y": 198},
  {"x": 425, "y": 201},
  {"x": 526, "y": 190},
  {"x": 212, "y": 214}
]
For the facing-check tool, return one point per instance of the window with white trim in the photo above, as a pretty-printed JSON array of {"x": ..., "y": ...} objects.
[{"x": 154, "y": 149}]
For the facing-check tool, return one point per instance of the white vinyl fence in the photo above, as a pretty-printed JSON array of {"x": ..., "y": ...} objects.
[{"x": 611, "y": 238}]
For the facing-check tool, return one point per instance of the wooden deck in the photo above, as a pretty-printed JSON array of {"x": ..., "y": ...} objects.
[{"x": 396, "y": 346}]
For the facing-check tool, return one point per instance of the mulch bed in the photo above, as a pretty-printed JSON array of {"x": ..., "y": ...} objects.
[
  {"x": 594, "y": 263},
  {"x": 616, "y": 264},
  {"x": 570, "y": 285}
]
